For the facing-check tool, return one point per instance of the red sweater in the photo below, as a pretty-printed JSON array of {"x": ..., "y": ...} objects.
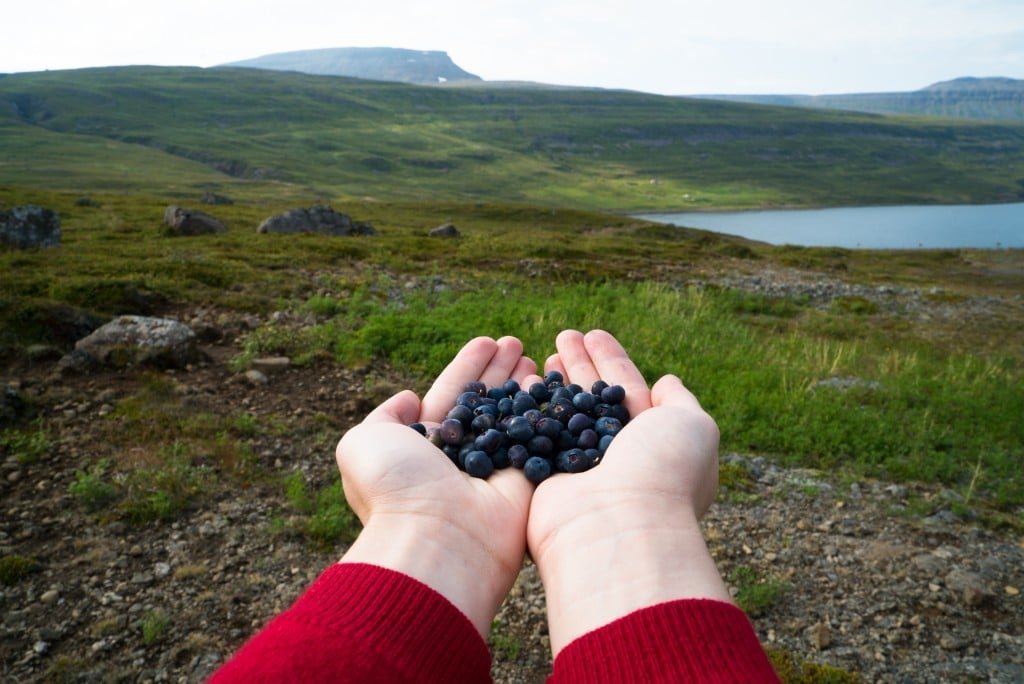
[{"x": 362, "y": 623}]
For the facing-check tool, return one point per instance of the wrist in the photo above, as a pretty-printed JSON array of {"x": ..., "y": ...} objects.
[
  {"x": 423, "y": 547},
  {"x": 605, "y": 566}
]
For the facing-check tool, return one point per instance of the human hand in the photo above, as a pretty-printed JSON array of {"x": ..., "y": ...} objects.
[
  {"x": 460, "y": 535},
  {"x": 625, "y": 535}
]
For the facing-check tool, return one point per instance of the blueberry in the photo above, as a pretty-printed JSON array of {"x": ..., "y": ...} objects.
[
  {"x": 452, "y": 431},
  {"x": 574, "y": 389},
  {"x": 607, "y": 426},
  {"x": 540, "y": 446},
  {"x": 549, "y": 427},
  {"x": 566, "y": 440},
  {"x": 613, "y": 394},
  {"x": 489, "y": 409},
  {"x": 580, "y": 422},
  {"x": 587, "y": 439},
  {"x": 500, "y": 458},
  {"x": 604, "y": 443},
  {"x": 584, "y": 402},
  {"x": 490, "y": 441},
  {"x": 553, "y": 376},
  {"x": 475, "y": 387},
  {"x": 479, "y": 464},
  {"x": 598, "y": 387},
  {"x": 420, "y": 428},
  {"x": 463, "y": 414},
  {"x": 510, "y": 388},
  {"x": 560, "y": 393},
  {"x": 517, "y": 455},
  {"x": 562, "y": 409},
  {"x": 497, "y": 394},
  {"x": 533, "y": 415},
  {"x": 482, "y": 423},
  {"x": 539, "y": 392},
  {"x": 452, "y": 452},
  {"x": 536, "y": 469},
  {"x": 523, "y": 403},
  {"x": 434, "y": 435},
  {"x": 594, "y": 455},
  {"x": 573, "y": 461},
  {"x": 505, "y": 406},
  {"x": 469, "y": 399},
  {"x": 619, "y": 412},
  {"x": 520, "y": 430}
]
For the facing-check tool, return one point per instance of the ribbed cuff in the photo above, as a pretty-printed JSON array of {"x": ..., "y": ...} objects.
[
  {"x": 694, "y": 640},
  {"x": 363, "y": 623}
]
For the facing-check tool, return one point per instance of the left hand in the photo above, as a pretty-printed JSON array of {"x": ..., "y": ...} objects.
[{"x": 462, "y": 536}]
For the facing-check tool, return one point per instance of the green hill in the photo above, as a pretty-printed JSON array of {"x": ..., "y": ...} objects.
[
  {"x": 377, "y": 64},
  {"x": 961, "y": 98},
  {"x": 248, "y": 131}
]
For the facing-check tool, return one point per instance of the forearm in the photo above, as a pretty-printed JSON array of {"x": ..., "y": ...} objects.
[{"x": 598, "y": 573}]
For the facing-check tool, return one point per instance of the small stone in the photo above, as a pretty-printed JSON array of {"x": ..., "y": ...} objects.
[
  {"x": 272, "y": 364},
  {"x": 41, "y": 647},
  {"x": 49, "y": 596},
  {"x": 820, "y": 635},
  {"x": 162, "y": 570},
  {"x": 255, "y": 378},
  {"x": 1011, "y": 590}
]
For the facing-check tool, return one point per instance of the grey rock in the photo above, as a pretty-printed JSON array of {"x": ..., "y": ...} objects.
[
  {"x": 447, "y": 230},
  {"x": 191, "y": 222},
  {"x": 161, "y": 570},
  {"x": 213, "y": 198},
  {"x": 320, "y": 220},
  {"x": 271, "y": 364},
  {"x": 30, "y": 226},
  {"x": 255, "y": 378},
  {"x": 971, "y": 587},
  {"x": 137, "y": 340}
]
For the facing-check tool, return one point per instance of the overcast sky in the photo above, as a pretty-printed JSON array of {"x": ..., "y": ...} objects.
[{"x": 661, "y": 46}]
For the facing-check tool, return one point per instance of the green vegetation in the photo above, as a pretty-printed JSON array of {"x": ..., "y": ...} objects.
[
  {"x": 154, "y": 626},
  {"x": 14, "y": 568},
  {"x": 507, "y": 646},
  {"x": 326, "y": 518},
  {"x": 252, "y": 133},
  {"x": 756, "y": 592},
  {"x": 793, "y": 670},
  {"x": 27, "y": 446},
  {"x": 91, "y": 488}
]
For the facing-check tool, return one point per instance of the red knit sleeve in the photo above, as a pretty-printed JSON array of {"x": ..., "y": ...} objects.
[
  {"x": 690, "y": 640},
  {"x": 363, "y": 623}
]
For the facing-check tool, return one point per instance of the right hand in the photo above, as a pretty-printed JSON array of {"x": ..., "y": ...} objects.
[{"x": 625, "y": 535}]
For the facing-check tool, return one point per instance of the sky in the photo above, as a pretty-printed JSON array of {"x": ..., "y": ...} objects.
[{"x": 660, "y": 46}]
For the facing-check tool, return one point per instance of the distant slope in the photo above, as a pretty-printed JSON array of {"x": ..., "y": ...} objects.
[
  {"x": 255, "y": 131},
  {"x": 963, "y": 98},
  {"x": 376, "y": 64}
]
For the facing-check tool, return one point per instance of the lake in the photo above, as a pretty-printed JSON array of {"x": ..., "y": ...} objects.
[{"x": 900, "y": 227}]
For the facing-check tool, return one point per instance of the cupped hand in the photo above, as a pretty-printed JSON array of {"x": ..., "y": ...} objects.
[
  {"x": 462, "y": 536},
  {"x": 625, "y": 534}
]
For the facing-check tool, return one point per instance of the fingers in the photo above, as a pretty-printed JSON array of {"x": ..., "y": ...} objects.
[
  {"x": 616, "y": 368},
  {"x": 503, "y": 363},
  {"x": 403, "y": 408},
  {"x": 577, "y": 364},
  {"x": 469, "y": 364},
  {"x": 525, "y": 371},
  {"x": 670, "y": 391}
]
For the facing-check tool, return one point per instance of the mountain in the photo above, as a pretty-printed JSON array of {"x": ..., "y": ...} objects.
[
  {"x": 375, "y": 64},
  {"x": 260, "y": 133},
  {"x": 962, "y": 98}
]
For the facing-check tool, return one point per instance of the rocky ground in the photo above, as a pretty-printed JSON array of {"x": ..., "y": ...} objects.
[{"x": 892, "y": 583}]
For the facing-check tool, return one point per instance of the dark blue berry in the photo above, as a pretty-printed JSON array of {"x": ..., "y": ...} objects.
[
  {"x": 539, "y": 392},
  {"x": 604, "y": 443},
  {"x": 452, "y": 452},
  {"x": 574, "y": 389},
  {"x": 566, "y": 440},
  {"x": 476, "y": 387},
  {"x": 489, "y": 441},
  {"x": 469, "y": 399},
  {"x": 482, "y": 423},
  {"x": 505, "y": 406},
  {"x": 533, "y": 415},
  {"x": 553, "y": 376},
  {"x": 500, "y": 458},
  {"x": 613, "y": 394},
  {"x": 573, "y": 461},
  {"x": 452, "y": 431},
  {"x": 598, "y": 387},
  {"x": 619, "y": 412},
  {"x": 517, "y": 455},
  {"x": 537, "y": 469},
  {"x": 584, "y": 402},
  {"x": 588, "y": 439},
  {"x": 562, "y": 409},
  {"x": 520, "y": 430},
  {"x": 540, "y": 446},
  {"x": 434, "y": 435},
  {"x": 479, "y": 464},
  {"x": 523, "y": 403},
  {"x": 607, "y": 426},
  {"x": 510, "y": 388},
  {"x": 579, "y": 422},
  {"x": 420, "y": 428},
  {"x": 497, "y": 394},
  {"x": 549, "y": 427},
  {"x": 463, "y": 414}
]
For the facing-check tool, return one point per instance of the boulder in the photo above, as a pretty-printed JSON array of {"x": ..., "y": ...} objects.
[
  {"x": 447, "y": 230},
  {"x": 213, "y": 198},
  {"x": 140, "y": 340},
  {"x": 30, "y": 226},
  {"x": 191, "y": 222},
  {"x": 318, "y": 219}
]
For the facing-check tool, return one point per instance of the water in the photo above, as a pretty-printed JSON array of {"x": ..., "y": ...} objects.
[{"x": 903, "y": 227}]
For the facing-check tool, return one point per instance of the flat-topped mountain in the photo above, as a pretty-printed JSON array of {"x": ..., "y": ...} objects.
[
  {"x": 962, "y": 98},
  {"x": 375, "y": 64}
]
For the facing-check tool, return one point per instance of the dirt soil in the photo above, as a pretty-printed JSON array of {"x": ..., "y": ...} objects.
[{"x": 858, "y": 575}]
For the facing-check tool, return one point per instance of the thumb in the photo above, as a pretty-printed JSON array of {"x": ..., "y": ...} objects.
[
  {"x": 670, "y": 391},
  {"x": 403, "y": 408}
]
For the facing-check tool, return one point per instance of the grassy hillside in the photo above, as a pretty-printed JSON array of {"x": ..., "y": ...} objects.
[
  {"x": 250, "y": 132},
  {"x": 993, "y": 99}
]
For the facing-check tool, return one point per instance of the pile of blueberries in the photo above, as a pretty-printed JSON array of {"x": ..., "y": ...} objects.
[{"x": 549, "y": 427}]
